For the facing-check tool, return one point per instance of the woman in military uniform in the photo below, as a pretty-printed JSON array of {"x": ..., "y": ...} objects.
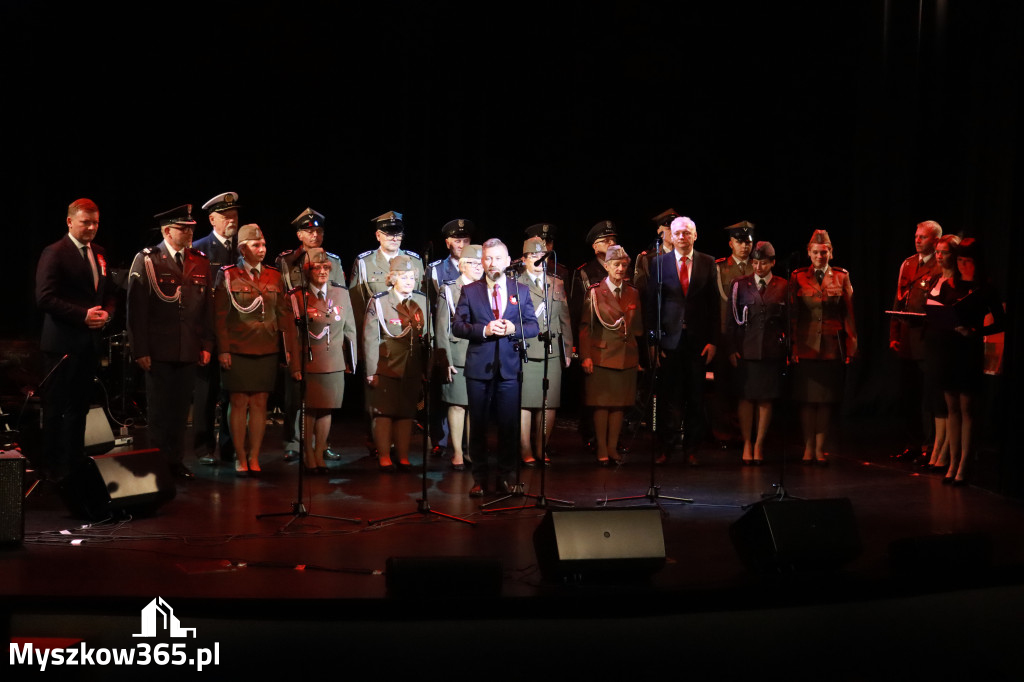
[
  {"x": 552, "y": 342},
  {"x": 393, "y": 346},
  {"x": 251, "y": 313},
  {"x": 610, "y": 323},
  {"x": 331, "y": 330},
  {"x": 824, "y": 341},
  {"x": 755, "y": 327},
  {"x": 451, "y": 351}
]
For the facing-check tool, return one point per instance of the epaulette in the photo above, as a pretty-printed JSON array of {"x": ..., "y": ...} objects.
[
  {"x": 583, "y": 266},
  {"x": 271, "y": 267},
  {"x": 555, "y": 275},
  {"x": 294, "y": 290},
  {"x": 439, "y": 260},
  {"x": 285, "y": 254},
  {"x": 412, "y": 254},
  {"x": 381, "y": 293},
  {"x": 229, "y": 266},
  {"x": 721, "y": 260},
  {"x": 417, "y": 291},
  {"x": 332, "y": 255},
  {"x": 364, "y": 254},
  {"x": 803, "y": 269},
  {"x": 148, "y": 250},
  {"x": 594, "y": 286},
  {"x": 193, "y": 250},
  {"x": 336, "y": 284},
  {"x": 842, "y": 270},
  {"x": 449, "y": 282}
]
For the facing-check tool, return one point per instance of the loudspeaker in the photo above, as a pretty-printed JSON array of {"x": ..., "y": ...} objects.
[
  {"x": 797, "y": 534},
  {"x": 12, "y": 508},
  {"x": 99, "y": 438},
  {"x": 120, "y": 484},
  {"x": 443, "y": 576},
  {"x": 605, "y": 542}
]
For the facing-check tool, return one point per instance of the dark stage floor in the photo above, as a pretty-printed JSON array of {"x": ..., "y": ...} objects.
[{"x": 316, "y": 592}]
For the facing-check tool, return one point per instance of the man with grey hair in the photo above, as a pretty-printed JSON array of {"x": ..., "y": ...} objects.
[{"x": 906, "y": 339}]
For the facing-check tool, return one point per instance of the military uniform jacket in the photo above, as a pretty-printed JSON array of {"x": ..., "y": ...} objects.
[
  {"x": 439, "y": 272},
  {"x": 169, "y": 309},
  {"x": 610, "y": 326},
  {"x": 218, "y": 253},
  {"x": 822, "y": 316},
  {"x": 290, "y": 264},
  {"x": 251, "y": 314},
  {"x": 369, "y": 277},
  {"x": 561, "y": 329},
  {"x": 393, "y": 334},
  {"x": 642, "y": 267},
  {"x": 583, "y": 278},
  {"x": 760, "y": 337},
  {"x": 911, "y": 293},
  {"x": 332, "y": 329},
  {"x": 729, "y": 270},
  {"x": 451, "y": 350}
]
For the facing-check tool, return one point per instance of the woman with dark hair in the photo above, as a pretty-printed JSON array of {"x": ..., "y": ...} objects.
[
  {"x": 936, "y": 350},
  {"x": 970, "y": 298}
]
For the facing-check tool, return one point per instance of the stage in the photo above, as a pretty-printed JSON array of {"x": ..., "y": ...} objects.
[{"x": 317, "y": 591}]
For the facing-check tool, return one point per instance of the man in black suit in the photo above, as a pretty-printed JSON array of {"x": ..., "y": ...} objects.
[
  {"x": 221, "y": 248},
  {"x": 169, "y": 329},
  {"x": 76, "y": 297},
  {"x": 690, "y": 325},
  {"x": 496, "y": 314}
]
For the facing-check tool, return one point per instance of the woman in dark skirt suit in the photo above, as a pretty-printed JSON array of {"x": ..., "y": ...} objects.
[
  {"x": 755, "y": 326},
  {"x": 332, "y": 330},
  {"x": 393, "y": 333},
  {"x": 824, "y": 341},
  {"x": 452, "y": 350},
  {"x": 251, "y": 315},
  {"x": 971, "y": 298},
  {"x": 552, "y": 342},
  {"x": 610, "y": 323}
]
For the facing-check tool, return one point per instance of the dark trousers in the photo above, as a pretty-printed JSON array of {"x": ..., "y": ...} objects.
[
  {"x": 168, "y": 395},
  {"x": 206, "y": 395},
  {"x": 495, "y": 399},
  {"x": 681, "y": 396},
  {"x": 65, "y": 403}
]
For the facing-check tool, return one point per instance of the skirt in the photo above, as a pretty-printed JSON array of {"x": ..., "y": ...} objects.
[
  {"x": 250, "y": 374},
  {"x": 759, "y": 380},
  {"x": 818, "y": 381},
  {"x": 533, "y": 384},
  {"x": 610, "y": 387},
  {"x": 393, "y": 398},
  {"x": 455, "y": 392},
  {"x": 325, "y": 391}
]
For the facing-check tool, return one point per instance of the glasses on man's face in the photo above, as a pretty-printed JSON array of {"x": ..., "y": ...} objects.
[{"x": 183, "y": 228}]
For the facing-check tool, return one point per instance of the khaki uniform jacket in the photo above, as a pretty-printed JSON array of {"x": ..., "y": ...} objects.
[
  {"x": 170, "y": 309},
  {"x": 393, "y": 336},
  {"x": 762, "y": 335},
  {"x": 246, "y": 324},
  {"x": 822, "y": 317},
  {"x": 912, "y": 287},
  {"x": 332, "y": 329},
  {"x": 451, "y": 350},
  {"x": 290, "y": 265},
  {"x": 369, "y": 277},
  {"x": 614, "y": 348},
  {"x": 561, "y": 329},
  {"x": 728, "y": 272}
]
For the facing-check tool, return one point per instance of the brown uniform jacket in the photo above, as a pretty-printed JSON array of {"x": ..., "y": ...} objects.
[
  {"x": 728, "y": 272},
  {"x": 761, "y": 337},
  {"x": 612, "y": 348},
  {"x": 393, "y": 336},
  {"x": 259, "y": 331},
  {"x": 561, "y": 330},
  {"x": 332, "y": 329},
  {"x": 290, "y": 264},
  {"x": 911, "y": 293},
  {"x": 822, "y": 317}
]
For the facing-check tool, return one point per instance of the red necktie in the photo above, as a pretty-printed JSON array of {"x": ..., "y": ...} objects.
[
  {"x": 684, "y": 275},
  {"x": 496, "y": 306}
]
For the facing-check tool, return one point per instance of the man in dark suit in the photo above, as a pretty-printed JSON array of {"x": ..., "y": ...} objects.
[
  {"x": 221, "y": 249},
  {"x": 76, "y": 297},
  {"x": 690, "y": 325},
  {"x": 496, "y": 315},
  {"x": 169, "y": 315}
]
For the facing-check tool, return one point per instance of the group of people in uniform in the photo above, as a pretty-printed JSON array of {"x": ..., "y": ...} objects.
[{"x": 209, "y": 322}]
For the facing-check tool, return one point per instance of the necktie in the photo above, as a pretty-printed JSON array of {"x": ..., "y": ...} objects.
[
  {"x": 618, "y": 293},
  {"x": 743, "y": 269},
  {"x": 255, "y": 273},
  {"x": 761, "y": 285},
  {"x": 178, "y": 260},
  {"x": 496, "y": 302},
  {"x": 320, "y": 295},
  {"x": 87, "y": 255},
  {"x": 819, "y": 275},
  {"x": 684, "y": 275}
]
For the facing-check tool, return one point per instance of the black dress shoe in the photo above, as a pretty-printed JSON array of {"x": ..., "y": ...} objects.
[
  {"x": 331, "y": 455},
  {"x": 476, "y": 491},
  {"x": 529, "y": 465},
  {"x": 456, "y": 467},
  {"x": 291, "y": 456},
  {"x": 182, "y": 471}
]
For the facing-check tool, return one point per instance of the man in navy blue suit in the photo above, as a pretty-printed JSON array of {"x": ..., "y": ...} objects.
[
  {"x": 690, "y": 319},
  {"x": 76, "y": 297},
  {"x": 496, "y": 315}
]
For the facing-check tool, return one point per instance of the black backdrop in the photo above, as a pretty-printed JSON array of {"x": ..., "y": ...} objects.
[{"x": 860, "y": 117}]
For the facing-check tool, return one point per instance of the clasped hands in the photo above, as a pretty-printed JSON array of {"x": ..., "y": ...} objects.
[{"x": 499, "y": 328}]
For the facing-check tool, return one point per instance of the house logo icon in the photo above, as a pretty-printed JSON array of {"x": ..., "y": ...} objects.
[{"x": 158, "y": 619}]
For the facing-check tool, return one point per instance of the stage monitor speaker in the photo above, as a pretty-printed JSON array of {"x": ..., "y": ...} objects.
[
  {"x": 603, "y": 543},
  {"x": 443, "y": 576},
  {"x": 797, "y": 535},
  {"x": 132, "y": 483},
  {"x": 12, "y": 496},
  {"x": 99, "y": 437}
]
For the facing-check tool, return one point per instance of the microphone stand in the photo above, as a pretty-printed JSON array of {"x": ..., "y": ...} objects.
[
  {"x": 653, "y": 493},
  {"x": 298, "y": 509},
  {"x": 429, "y": 343},
  {"x": 541, "y": 501}
]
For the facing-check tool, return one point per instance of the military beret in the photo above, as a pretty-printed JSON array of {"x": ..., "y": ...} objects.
[
  {"x": 402, "y": 264},
  {"x": 763, "y": 251},
  {"x": 615, "y": 252},
  {"x": 250, "y": 231},
  {"x": 316, "y": 256}
]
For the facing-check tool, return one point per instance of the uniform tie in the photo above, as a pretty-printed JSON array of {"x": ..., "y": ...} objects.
[
  {"x": 819, "y": 275},
  {"x": 255, "y": 273},
  {"x": 618, "y": 293},
  {"x": 761, "y": 285},
  {"x": 320, "y": 295},
  {"x": 178, "y": 260}
]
